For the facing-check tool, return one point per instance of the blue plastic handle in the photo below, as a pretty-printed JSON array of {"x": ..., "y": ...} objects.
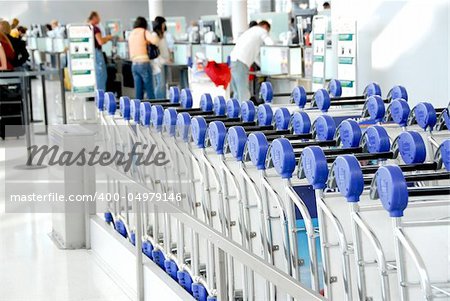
[
  {"x": 186, "y": 98},
  {"x": 183, "y": 125},
  {"x": 199, "y": 292},
  {"x": 170, "y": 120},
  {"x": 264, "y": 115},
  {"x": 257, "y": 149},
  {"x": 349, "y": 177},
  {"x": 185, "y": 280},
  {"x": 299, "y": 96},
  {"x": 157, "y": 116},
  {"x": 99, "y": 99},
  {"x": 198, "y": 129},
  {"x": 174, "y": 95},
  {"x": 350, "y": 133},
  {"x": 400, "y": 111},
  {"x": 372, "y": 89},
  {"x": 217, "y": 132},
  {"x": 171, "y": 268},
  {"x": 145, "y": 111},
  {"x": 392, "y": 189},
  {"x": 377, "y": 139},
  {"x": 266, "y": 92},
  {"x": 233, "y": 108},
  {"x": 335, "y": 88},
  {"x": 425, "y": 115},
  {"x": 125, "y": 107},
  {"x": 375, "y": 107},
  {"x": 248, "y": 111},
  {"x": 398, "y": 92},
  {"x": 220, "y": 105},
  {"x": 445, "y": 154},
  {"x": 322, "y": 99},
  {"x": 282, "y": 118},
  {"x": 237, "y": 138},
  {"x": 301, "y": 123},
  {"x": 315, "y": 167},
  {"x": 110, "y": 105},
  {"x": 134, "y": 109},
  {"x": 325, "y": 127},
  {"x": 412, "y": 147},
  {"x": 283, "y": 157},
  {"x": 206, "y": 102}
]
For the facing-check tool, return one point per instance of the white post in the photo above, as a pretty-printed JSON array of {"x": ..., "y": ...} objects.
[
  {"x": 155, "y": 8},
  {"x": 239, "y": 17}
]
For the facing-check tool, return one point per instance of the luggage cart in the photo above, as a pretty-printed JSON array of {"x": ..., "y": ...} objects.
[{"x": 316, "y": 171}]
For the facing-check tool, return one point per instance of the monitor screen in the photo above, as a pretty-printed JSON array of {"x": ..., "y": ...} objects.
[{"x": 227, "y": 31}]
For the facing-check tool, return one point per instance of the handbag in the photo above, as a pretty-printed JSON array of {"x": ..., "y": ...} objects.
[{"x": 152, "y": 50}]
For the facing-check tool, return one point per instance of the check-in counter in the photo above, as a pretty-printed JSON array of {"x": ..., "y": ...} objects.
[
  {"x": 48, "y": 51},
  {"x": 279, "y": 59},
  {"x": 218, "y": 52},
  {"x": 122, "y": 50},
  {"x": 182, "y": 51}
]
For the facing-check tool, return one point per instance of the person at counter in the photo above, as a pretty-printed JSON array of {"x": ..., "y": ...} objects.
[
  {"x": 141, "y": 68},
  {"x": 159, "y": 30},
  {"x": 99, "y": 40},
  {"x": 57, "y": 31},
  {"x": 3, "y": 61},
  {"x": 8, "y": 48},
  {"x": 244, "y": 54}
]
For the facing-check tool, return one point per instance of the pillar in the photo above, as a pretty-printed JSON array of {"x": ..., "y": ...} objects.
[
  {"x": 155, "y": 8},
  {"x": 239, "y": 17}
]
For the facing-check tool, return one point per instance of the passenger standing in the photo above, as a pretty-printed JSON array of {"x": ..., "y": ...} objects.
[
  {"x": 6, "y": 45},
  {"x": 159, "y": 30},
  {"x": 99, "y": 40},
  {"x": 57, "y": 31},
  {"x": 3, "y": 61},
  {"x": 141, "y": 68},
  {"x": 244, "y": 54}
]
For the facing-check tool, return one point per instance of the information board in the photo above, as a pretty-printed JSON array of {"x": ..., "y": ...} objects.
[
  {"x": 346, "y": 53},
  {"x": 320, "y": 24},
  {"x": 81, "y": 58}
]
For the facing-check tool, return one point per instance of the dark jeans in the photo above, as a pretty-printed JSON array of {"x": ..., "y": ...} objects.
[{"x": 143, "y": 80}]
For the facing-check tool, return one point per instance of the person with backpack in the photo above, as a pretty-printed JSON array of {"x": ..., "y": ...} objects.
[{"x": 143, "y": 46}]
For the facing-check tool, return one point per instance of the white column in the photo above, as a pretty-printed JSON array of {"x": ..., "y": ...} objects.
[
  {"x": 239, "y": 17},
  {"x": 155, "y": 8},
  {"x": 224, "y": 8}
]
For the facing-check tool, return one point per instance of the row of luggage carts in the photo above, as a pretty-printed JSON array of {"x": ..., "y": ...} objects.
[{"x": 349, "y": 195}]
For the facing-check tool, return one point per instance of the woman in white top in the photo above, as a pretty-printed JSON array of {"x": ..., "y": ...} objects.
[
  {"x": 159, "y": 30},
  {"x": 138, "y": 41}
]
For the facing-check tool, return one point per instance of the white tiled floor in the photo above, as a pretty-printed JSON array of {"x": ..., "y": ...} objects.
[{"x": 31, "y": 266}]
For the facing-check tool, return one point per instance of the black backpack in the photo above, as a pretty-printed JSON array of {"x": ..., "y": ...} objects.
[{"x": 20, "y": 48}]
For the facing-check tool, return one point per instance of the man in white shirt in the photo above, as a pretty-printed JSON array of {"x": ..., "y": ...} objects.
[{"x": 244, "y": 54}]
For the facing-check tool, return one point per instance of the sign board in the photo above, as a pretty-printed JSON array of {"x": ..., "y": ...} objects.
[
  {"x": 319, "y": 44},
  {"x": 81, "y": 58},
  {"x": 346, "y": 53}
]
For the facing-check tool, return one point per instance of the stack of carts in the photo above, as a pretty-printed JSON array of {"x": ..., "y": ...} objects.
[{"x": 348, "y": 197}]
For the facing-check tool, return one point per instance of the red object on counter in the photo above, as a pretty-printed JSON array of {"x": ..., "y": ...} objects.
[{"x": 220, "y": 74}]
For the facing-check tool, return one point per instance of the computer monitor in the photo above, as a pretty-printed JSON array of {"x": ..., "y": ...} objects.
[
  {"x": 226, "y": 29},
  {"x": 208, "y": 26}
]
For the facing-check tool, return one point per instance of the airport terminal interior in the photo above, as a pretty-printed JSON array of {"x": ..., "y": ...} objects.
[{"x": 218, "y": 150}]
